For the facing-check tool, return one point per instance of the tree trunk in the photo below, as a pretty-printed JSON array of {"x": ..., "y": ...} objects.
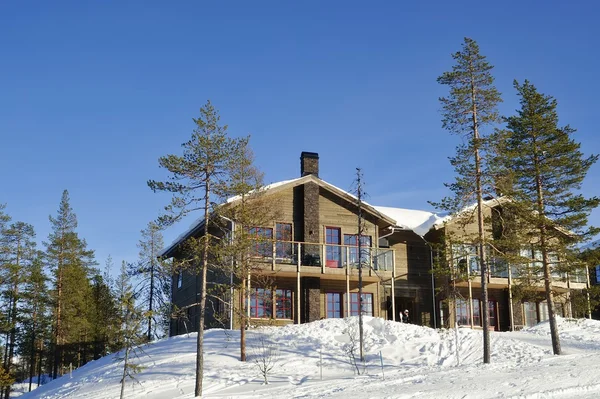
[
  {"x": 151, "y": 299},
  {"x": 243, "y": 316},
  {"x": 39, "y": 369},
  {"x": 32, "y": 355},
  {"x": 556, "y": 349},
  {"x": 481, "y": 230},
  {"x": 57, "y": 338},
  {"x": 125, "y": 365},
  {"x": 202, "y": 303}
]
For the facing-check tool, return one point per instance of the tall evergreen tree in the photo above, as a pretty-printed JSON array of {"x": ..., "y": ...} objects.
[
  {"x": 155, "y": 278},
  {"x": 104, "y": 321},
  {"x": 35, "y": 319},
  {"x": 4, "y": 220},
  {"x": 470, "y": 106},
  {"x": 196, "y": 177},
  {"x": 70, "y": 261},
  {"x": 19, "y": 241},
  {"x": 546, "y": 169}
]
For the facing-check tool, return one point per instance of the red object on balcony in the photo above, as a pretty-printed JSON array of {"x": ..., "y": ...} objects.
[{"x": 332, "y": 263}]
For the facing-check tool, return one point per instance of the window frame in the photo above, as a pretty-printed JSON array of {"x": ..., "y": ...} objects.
[
  {"x": 340, "y": 303},
  {"x": 284, "y": 247},
  {"x": 257, "y": 295},
  {"x": 272, "y": 303},
  {"x": 333, "y": 250},
  {"x": 284, "y": 296},
  {"x": 354, "y": 304},
  {"x": 262, "y": 247},
  {"x": 351, "y": 241}
]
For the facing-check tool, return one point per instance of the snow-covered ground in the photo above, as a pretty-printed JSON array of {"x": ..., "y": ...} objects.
[{"x": 418, "y": 362}]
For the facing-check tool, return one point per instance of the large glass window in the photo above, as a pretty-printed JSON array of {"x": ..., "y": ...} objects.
[
  {"x": 367, "y": 305},
  {"x": 284, "y": 247},
  {"x": 492, "y": 306},
  {"x": 530, "y": 312},
  {"x": 334, "y": 305},
  {"x": 261, "y": 303},
  {"x": 466, "y": 259},
  {"x": 462, "y": 312},
  {"x": 463, "y": 315},
  {"x": 476, "y": 313},
  {"x": 544, "y": 311},
  {"x": 352, "y": 252},
  {"x": 333, "y": 251},
  {"x": 283, "y": 306},
  {"x": 262, "y": 245}
]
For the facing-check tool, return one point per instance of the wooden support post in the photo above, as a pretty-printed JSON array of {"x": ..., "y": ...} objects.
[
  {"x": 393, "y": 293},
  {"x": 347, "y": 312},
  {"x": 510, "y": 300},
  {"x": 298, "y": 267}
]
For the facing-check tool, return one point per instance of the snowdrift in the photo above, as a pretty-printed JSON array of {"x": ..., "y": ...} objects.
[{"x": 402, "y": 360}]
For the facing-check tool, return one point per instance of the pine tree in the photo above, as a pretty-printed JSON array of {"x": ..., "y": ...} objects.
[
  {"x": 35, "y": 318},
  {"x": 155, "y": 278},
  {"x": 70, "y": 261},
  {"x": 4, "y": 255},
  {"x": 196, "y": 177},
  {"x": 546, "y": 169},
  {"x": 19, "y": 241},
  {"x": 104, "y": 318},
  {"x": 248, "y": 210},
  {"x": 4, "y": 220},
  {"x": 131, "y": 318},
  {"x": 471, "y": 105}
]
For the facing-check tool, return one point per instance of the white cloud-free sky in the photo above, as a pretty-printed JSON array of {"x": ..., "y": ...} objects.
[{"x": 92, "y": 95}]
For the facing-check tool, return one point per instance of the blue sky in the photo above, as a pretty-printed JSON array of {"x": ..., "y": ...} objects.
[{"x": 92, "y": 93}]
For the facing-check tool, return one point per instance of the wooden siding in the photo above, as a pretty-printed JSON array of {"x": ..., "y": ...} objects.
[{"x": 336, "y": 212}]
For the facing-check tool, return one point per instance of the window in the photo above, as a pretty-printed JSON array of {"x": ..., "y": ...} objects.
[
  {"x": 261, "y": 303},
  {"x": 333, "y": 251},
  {"x": 367, "y": 305},
  {"x": 544, "y": 311},
  {"x": 262, "y": 245},
  {"x": 462, "y": 313},
  {"x": 466, "y": 259},
  {"x": 476, "y": 313},
  {"x": 283, "y": 305},
  {"x": 179, "y": 279},
  {"x": 283, "y": 232},
  {"x": 554, "y": 265},
  {"x": 530, "y": 312},
  {"x": 463, "y": 316},
  {"x": 334, "y": 305},
  {"x": 352, "y": 253},
  {"x": 493, "y": 315}
]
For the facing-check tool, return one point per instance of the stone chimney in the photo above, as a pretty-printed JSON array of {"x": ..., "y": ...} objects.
[{"x": 309, "y": 163}]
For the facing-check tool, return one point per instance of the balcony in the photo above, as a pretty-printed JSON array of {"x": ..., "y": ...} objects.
[{"x": 323, "y": 258}]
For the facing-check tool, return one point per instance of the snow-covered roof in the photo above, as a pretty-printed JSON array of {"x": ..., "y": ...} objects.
[
  {"x": 197, "y": 224},
  {"x": 411, "y": 219}
]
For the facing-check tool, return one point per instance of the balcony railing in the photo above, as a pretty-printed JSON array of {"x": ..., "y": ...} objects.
[
  {"x": 499, "y": 269},
  {"x": 326, "y": 256}
]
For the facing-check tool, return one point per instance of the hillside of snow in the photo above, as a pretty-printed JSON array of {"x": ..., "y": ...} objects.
[{"x": 418, "y": 362}]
